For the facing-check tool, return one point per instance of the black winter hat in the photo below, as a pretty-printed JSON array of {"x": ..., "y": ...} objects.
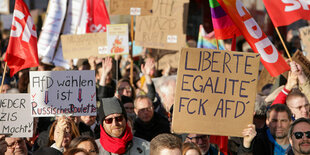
[{"x": 110, "y": 106}]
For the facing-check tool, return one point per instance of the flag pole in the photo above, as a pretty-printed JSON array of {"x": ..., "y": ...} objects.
[
  {"x": 217, "y": 44},
  {"x": 3, "y": 76},
  {"x": 131, "y": 51},
  {"x": 288, "y": 54}
]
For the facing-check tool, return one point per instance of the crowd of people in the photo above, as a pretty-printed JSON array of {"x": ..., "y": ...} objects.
[{"x": 134, "y": 115}]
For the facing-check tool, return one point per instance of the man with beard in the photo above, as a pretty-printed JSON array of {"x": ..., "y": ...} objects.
[
  {"x": 299, "y": 137},
  {"x": 115, "y": 135},
  {"x": 272, "y": 139},
  {"x": 16, "y": 146}
]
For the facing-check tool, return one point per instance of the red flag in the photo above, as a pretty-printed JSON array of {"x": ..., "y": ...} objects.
[
  {"x": 286, "y": 12},
  {"x": 259, "y": 42},
  {"x": 98, "y": 16},
  {"x": 22, "y": 49}
]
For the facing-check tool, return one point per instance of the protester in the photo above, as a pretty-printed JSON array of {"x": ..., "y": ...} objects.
[
  {"x": 86, "y": 143},
  {"x": 148, "y": 123},
  {"x": 190, "y": 148},
  {"x": 299, "y": 136},
  {"x": 165, "y": 144},
  {"x": 16, "y": 146},
  {"x": 115, "y": 134},
  {"x": 61, "y": 133},
  {"x": 93, "y": 124},
  {"x": 272, "y": 139}
]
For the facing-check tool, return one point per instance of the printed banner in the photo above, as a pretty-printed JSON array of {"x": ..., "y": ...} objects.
[
  {"x": 214, "y": 92},
  {"x": 15, "y": 116},
  {"x": 63, "y": 93}
]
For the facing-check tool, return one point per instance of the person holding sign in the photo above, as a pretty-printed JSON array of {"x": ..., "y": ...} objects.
[
  {"x": 62, "y": 132},
  {"x": 115, "y": 134},
  {"x": 272, "y": 139},
  {"x": 296, "y": 99}
]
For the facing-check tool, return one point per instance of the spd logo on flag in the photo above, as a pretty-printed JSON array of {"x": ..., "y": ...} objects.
[{"x": 22, "y": 49}]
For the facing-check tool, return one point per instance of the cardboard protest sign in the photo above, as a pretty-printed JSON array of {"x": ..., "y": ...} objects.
[
  {"x": 215, "y": 92},
  {"x": 165, "y": 28},
  {"x": 84, "y": 45},
  {"x": 303, "y": 61},
  {"x": 63, "y": 92},
  {"x": 305, "y": 39},
  {"x": 131, "y": 7},
  {"x": 264, "y": 78},
  {"x": 15, "y": 115},
  {"x": 4, "y": 7},
  {"x": 117, "y": 36}
]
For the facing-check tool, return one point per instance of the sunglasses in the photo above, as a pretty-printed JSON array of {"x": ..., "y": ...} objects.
[
  {"x": 117, "y": 119},
  {"x": 299, "y": 135}
]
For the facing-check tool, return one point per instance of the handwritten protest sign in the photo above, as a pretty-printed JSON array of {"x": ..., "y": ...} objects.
[
  {"x": 165, "y": 28},
  {"x": 305, "y": 39},
  {"x": 215, "y": 92},
  {"x": 85, "y": 45},
  {"x": 117, "y": 36},
  {"x": 303, "y": 61},
  {"x": 15, "y": 116},
  {"x": 4, "y": 7},
  {"x": 63, "y": 92},
  {"x": 131, "y": 7}
]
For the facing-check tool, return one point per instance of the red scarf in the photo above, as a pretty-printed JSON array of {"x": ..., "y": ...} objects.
[{"x": 115, "y": 145}]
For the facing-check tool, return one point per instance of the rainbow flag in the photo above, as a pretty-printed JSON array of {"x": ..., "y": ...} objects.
[
  {"x": 223, "y": 26},
  {"x": 208, "y": 41}
]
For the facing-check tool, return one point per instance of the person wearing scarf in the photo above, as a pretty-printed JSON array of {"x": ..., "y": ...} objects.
[{"x": 116, "y": 137}]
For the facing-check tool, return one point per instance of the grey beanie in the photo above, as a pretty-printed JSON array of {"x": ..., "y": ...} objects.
[{"x": 110, "y": 106}]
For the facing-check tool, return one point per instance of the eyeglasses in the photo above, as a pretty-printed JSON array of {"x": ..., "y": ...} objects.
[
  {"x": 117, "y": 119},
  {"x": 202, "y": 137},
  {"x": 299, "y": 135}
]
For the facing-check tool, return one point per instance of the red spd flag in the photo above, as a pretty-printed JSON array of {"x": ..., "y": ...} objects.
[
  {"x": 98, "y": 16},
  {"x": 285, "y": 12},
  {"x": 22, "y": 49},
  {"x": 259, "y": 42}
]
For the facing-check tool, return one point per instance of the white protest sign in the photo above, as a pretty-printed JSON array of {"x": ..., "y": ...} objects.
[
  {"x": 4, "y": 6},
  {"x": 117, "y": 39},
  {"x": 63, "y": 92},
  {"x": 15, "y": 116}
]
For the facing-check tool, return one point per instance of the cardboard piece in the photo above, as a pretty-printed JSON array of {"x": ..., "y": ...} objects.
[
  {"x": 117, "y": 39},
  {"x": 63, "y": 93},
  {"x": 15, "y": 115},
  {"x": 264, "y": 78},
  {"x": 84, "y": 45},
  {"x": 165, "y": 28},
  {"x": 305, "y": 39},
  {"x": 131, "y": 7},
  {"x": 4, "y": 7},
  {"x": 303, "y": 61},
  {"x": 214, "y": 92}
]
